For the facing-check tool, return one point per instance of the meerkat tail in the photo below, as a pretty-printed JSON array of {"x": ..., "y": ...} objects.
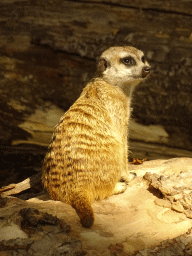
[
  {"x": 82, "y": 205},
  {"x": 88, "y": 153}
]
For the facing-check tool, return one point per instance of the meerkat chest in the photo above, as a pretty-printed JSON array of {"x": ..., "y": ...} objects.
[
  {"x": 119, "y": 112},
  {"x": 119, "y": 115}
]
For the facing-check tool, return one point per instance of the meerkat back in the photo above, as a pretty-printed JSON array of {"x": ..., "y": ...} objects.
[{"x": 88, "y": 151}]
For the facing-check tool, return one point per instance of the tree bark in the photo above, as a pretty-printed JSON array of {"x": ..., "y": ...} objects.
[
  {"x": 14, "y": 189},
  {"x": 48, "y": 52}
]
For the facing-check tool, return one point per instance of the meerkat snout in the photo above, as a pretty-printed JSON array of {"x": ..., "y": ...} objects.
[{"x": 146, "y": 71}]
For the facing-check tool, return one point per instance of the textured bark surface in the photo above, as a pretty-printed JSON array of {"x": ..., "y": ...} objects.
[
  {"x": 140, "y": 221},
  {"x": 48, "y": 51}
]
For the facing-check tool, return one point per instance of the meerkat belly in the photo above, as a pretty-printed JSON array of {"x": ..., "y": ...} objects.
[{"x": 84, "y": 153}]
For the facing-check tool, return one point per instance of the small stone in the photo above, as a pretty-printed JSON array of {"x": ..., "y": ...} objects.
[
  {"x": 177, "y": 207},
  {"x": 188, "y": 213},
  {"x": 162, "y": 203},
  {"x": 178, "y": 196}
]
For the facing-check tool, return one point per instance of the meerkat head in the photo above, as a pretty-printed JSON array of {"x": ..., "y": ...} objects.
[{"x": 123, "y": 66}]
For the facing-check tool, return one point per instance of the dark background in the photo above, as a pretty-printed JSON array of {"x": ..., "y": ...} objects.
[{"x": 48, "y": 52}]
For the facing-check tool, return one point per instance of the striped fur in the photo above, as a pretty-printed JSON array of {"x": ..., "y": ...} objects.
[{"x": 88, "y": 151}]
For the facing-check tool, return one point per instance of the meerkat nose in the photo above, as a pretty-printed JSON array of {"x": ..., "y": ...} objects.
[{"x": 146, "y": 71}]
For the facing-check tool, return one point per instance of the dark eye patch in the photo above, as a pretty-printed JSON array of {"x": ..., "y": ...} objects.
[{"x": 129, "y": 61}]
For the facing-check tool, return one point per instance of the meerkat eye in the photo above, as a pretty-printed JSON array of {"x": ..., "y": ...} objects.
[
  {"x": 128, "y": 61},
  {"x": 143, "y": 59}
]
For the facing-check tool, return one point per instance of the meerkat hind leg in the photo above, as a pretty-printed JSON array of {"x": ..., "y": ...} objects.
[
  {"x": 120, "y": 187},
  {"x": 128, "y": 177}
]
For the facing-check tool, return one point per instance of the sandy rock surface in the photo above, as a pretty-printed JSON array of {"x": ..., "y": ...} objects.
[
  {"x": 176, "y": 189},
  {"x": 132, "y": 223}
]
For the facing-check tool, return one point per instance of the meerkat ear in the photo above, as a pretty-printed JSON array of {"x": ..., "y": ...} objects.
[{"x": 102, "y": 65}]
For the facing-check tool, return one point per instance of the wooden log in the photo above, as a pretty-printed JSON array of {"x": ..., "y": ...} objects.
[
  {"x": 13, "y": 189},
  {"x": 48, "y": 51}
]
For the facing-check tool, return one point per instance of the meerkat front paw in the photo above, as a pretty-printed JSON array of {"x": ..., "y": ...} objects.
[
  {"x": 120, "y": 187},
  {"x": 128, "y": 177}
]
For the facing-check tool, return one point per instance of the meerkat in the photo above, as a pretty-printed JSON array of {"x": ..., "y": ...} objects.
[{"x": 88, "y": 153}]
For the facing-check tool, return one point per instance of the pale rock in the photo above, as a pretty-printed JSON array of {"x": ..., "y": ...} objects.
[
  {"x": 12, "y": 231},
  {"x": 137, "y": 219}
]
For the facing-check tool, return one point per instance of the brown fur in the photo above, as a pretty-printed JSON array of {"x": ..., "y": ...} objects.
[{"x": 88, "y": 153}]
